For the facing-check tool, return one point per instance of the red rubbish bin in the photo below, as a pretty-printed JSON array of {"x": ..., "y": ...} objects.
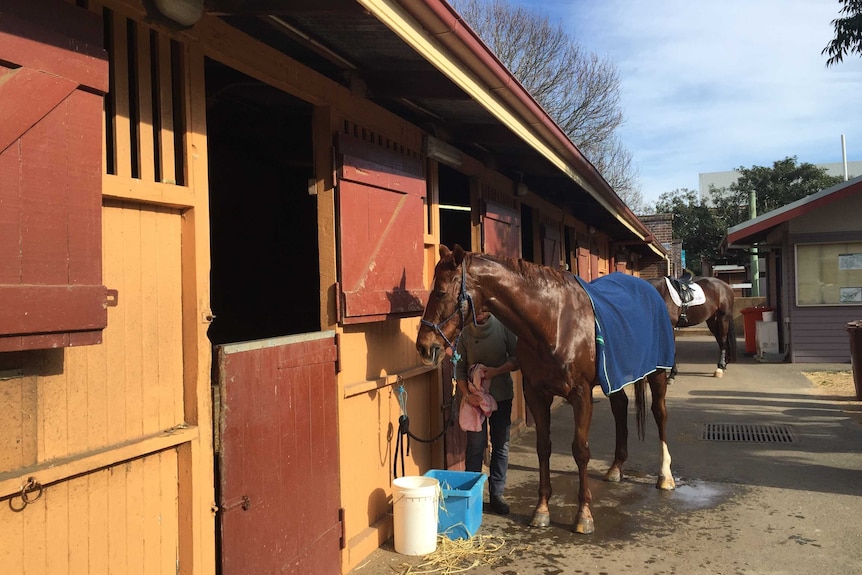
[
  {"x": 854, "y": 328},
  {"x": 750, "y": 317}
]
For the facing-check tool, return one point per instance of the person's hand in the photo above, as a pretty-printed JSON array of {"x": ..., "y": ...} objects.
[
  {"x": 490, "y": 372},
  {"x": 473, "y": 399}
]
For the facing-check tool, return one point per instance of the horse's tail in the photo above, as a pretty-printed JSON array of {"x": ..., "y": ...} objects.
[
  {"x": 640, "y": 403},
  {"x": 731, "y": 341}
]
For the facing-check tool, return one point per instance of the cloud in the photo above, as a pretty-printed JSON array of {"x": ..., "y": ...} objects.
[{"x": 711, "y": 86}]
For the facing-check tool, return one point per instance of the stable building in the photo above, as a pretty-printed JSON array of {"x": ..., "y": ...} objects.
[{"x": 218, "y": 224}]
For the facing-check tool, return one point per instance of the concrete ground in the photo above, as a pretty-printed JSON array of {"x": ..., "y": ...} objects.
[{"x": 740, "y": 507}]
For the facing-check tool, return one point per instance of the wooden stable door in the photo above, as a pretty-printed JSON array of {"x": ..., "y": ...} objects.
[
  {"x": 52, "y": 84},
  {"x": 279, "y": 501}
]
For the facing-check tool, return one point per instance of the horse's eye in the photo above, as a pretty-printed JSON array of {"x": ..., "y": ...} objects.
[{"x": 440, "y": 293}]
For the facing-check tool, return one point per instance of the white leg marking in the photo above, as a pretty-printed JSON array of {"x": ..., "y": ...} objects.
[
  {"x": 665, "y": 479},
  {"x": 665, "y": 460}
]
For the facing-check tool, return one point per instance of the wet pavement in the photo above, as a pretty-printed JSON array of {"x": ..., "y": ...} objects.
[{"x": 740, "y": 507}]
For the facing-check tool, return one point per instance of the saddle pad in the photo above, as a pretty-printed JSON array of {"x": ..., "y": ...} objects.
[
  {"x": 634, "y": 336},
  {"x": 699, "y": 296}
]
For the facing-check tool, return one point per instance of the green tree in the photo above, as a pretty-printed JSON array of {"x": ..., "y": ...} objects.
[
  {"x": 578, "y": 89},
  {"x": 785, "y": 182},
  {"x": 848, "y": 33},
  {"x": 702, "y": 223},
  {"x": 693, "y": 223}
]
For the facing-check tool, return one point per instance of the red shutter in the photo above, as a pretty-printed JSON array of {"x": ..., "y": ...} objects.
[
  {"x": 381, "y": 241},
  {"x": 584, "y": 263},
  {"x": 551, "y": 240},
  {"x": 583, "y": 257},
  {"x": 501, "y": 229},
  {"x": 52, "y": 80}
]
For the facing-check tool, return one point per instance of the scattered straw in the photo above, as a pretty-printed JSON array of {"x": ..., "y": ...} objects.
[
  {"x": 459, "y": 555},
  {"x": 836, "y": 382}
]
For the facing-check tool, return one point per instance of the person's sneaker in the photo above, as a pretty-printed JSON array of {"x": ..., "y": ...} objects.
[{"x": 499, "y": 505}]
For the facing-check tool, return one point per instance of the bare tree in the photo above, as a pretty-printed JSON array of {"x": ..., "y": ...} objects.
[
  {"x": 578, "y": 89},
  {"x": 614, "y": 162}
]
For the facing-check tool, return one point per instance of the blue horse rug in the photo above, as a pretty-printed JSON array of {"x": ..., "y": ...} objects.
[{"x": 634, "y": 336}]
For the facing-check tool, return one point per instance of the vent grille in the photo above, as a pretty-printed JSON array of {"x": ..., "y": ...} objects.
[{"x": 752, "y": 433}]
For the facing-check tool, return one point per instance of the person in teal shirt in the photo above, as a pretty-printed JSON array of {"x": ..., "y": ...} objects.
[{"x": 492, "y": 345}]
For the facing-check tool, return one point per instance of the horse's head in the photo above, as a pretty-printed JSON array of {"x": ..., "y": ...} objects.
[{"x": 447, "y": 308}]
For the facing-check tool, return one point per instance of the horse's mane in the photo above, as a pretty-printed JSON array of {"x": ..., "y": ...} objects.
[{"x": 532, "y": 272}]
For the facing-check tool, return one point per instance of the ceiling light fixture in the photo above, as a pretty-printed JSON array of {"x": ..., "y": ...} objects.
[
  {"x": 441, "y": 151},
  {"x": 184, "y": 13}
]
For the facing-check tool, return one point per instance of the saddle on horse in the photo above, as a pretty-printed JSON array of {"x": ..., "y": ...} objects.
[{"x": 682, "y": 285}]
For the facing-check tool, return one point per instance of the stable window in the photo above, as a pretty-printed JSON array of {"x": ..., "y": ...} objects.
[
  {"x": 829, "y": 274},
  {"x": 51, "y": 90},
  {"x": 381, "y": 193}
]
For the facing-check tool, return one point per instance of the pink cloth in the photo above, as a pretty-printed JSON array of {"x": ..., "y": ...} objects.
[{"x": 471, "y": 417}]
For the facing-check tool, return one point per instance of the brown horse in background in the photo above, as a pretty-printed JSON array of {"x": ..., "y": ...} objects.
[
  {"x": 717, "y": 312},
  {"x": 553, "y": 317}
]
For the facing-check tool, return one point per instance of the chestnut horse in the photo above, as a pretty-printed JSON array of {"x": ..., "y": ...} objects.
[
  {"x": 554, "y": 319},
  {"x": 716, "y": 311}
]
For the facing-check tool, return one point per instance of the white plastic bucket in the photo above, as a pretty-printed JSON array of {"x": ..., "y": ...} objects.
[
  {"x": 414, "y": 509},
  {"x": 769, "y": 316}
]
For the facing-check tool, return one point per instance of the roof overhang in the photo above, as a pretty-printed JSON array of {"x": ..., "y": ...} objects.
[
  {"x": 420, "y": 60},
  {"x": 755, "y": 231}
]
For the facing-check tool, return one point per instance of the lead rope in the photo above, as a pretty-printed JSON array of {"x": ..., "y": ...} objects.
[
  {"x": 404, "y": 428},
  {"x": 464, "y": 301}
]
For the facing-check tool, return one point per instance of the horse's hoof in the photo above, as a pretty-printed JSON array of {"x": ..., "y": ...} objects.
[
  {"x": 614, "y": 475},
  {"x": 665, "y": 483},
  {"x": 585, "y": 526},
  {"x": 718, "y": 373},
  {"x": 670, "y": 380},
  {"x": 541, "y": 520}
]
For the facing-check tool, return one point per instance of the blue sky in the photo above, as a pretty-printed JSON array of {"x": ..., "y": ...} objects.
[{"x": 711, "y": 86}]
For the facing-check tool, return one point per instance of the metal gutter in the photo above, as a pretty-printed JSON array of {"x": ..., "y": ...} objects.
[{"x": 448, "y": 43}]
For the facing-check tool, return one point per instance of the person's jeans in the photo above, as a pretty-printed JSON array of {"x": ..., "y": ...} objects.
[{"x": 500, "y": 422}]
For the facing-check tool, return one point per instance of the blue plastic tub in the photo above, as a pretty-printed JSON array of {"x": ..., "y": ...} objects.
[{"x": 460, "y": 512}]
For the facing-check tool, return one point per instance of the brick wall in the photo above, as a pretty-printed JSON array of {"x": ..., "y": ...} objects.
[{"x": 661, "y": 225}]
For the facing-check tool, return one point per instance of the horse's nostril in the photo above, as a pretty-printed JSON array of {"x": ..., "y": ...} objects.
[{"x": 428, "y": 353}]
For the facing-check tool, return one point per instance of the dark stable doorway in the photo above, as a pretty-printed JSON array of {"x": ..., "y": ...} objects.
[
  {"x": 454, "y": 208},
  {"x": 265, "y": 272}
]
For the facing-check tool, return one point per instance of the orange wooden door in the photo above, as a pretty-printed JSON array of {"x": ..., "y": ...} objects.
[{"x": 279, "y": 499}]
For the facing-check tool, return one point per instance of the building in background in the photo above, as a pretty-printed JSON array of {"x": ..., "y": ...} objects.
[
  {"x": 725, "y": 179},
  {"x": 813, "y": 252}
]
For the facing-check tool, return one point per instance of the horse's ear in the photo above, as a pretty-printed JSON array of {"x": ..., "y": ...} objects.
[
  {"x": 444, "y": 251},
  {"x": 458, "y": 254}
]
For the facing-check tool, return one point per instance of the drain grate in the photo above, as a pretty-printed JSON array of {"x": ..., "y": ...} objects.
[{"x": 752, "y": 433}]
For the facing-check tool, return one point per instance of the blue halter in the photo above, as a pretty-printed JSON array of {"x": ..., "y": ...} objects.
[{"x": 464, "y": 300}]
